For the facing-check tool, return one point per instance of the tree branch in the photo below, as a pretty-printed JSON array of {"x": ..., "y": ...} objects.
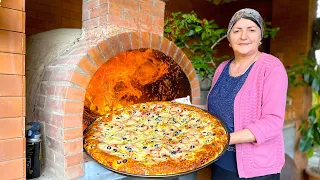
[{"x": 216, "y": 43}]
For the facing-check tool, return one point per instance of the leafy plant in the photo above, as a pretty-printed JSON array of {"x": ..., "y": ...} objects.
[
  {"x": 198, "y": 39},
  {"x": 307, "y": 73}
]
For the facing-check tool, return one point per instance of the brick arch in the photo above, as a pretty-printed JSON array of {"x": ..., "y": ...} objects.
[
  {"x": 61, "y": 93},
  {"x": 115, "y": 45}
]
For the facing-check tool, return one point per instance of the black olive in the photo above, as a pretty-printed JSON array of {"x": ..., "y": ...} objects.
[
  {"x": 156, "y": 145},
  {"x": 192, "y": 118},
  {"x": 115, "y": 150},
  {"x": 124, "y": 138},
  {"x": 135, "y": 138},
  {"x": 117, "y": 117},
  {"x": 148, "y": 113},
  {"x": 111, "y": 126},
  {"x": 170, "y": 139},
  {"x": 173, "y": 152},
  {"x": 171, "y": 129},
  {"x": 124, "y": 161},
  {"x": 180, "y": 141},
  {"x": 198, "y": 121},
  {"x": 91, "y": 146},
  {"x": 118, "y": 162},
  {"x": 192, "y": 146},
  {"x": 144, "y": 147},
  {"x": 109, "y": 147},
  {"x": 156, "y": 130}
]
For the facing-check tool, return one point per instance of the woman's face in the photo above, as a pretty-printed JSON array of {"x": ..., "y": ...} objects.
[{"x": 244, "y": 37}]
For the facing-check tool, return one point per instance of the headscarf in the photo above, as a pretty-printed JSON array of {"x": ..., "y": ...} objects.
[{"x": 246, "y": 13}]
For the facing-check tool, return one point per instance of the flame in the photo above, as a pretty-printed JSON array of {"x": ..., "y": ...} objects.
[{"x": 120, "y": 81}]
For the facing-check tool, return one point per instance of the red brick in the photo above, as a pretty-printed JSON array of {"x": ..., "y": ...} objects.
[
  {"x": 11, "y": 127},
  {"x": 54, "y": 105},
  {"x": 71, "y": 23},
  {"x": 76, "y": 16},
  {"x": 53, "y": 132},
  {"x": 11, "y": 85},
  {"x": 149, "y": 2},
  {"x": 41, "y": 115},
  {"x": 178, "y": 56},
  {"x": 172, "y": 49},
  {"x": 54, "y": 144},
  {"x": 195, "y": 84},
  {"x": 13, "y": 169},
  {"x": 90, "y": 4},
  {"x": 135, "y": 40},
  {"x": 106, "y": 50},
  {"x": 75, "y": 94},
  {"x": 74, "y": 159},
  {"x": 87, "y": 66},
  {"x": 59, "y": 159},
  {"x": 99, "y": 11},
  {"x": 60, "y": 91},
  {"x": 115, "y": 44},
  {"x": 11, "y": 107},
  {"x": 152, "y": 10},
  {"x": 157, "y": 30},
  {"x": 13, "y": 4},
  {"x": 58, "y": 11},
  {"x": 75, "y": 171},
  {"x": 12, "y": 149},
  {"x": 56, "y": 121},
  {"x": 12, "y": 63},
  {"x": 115, "y": 10},
  {"x": 188, "y": 68},
  {"x": 126, "y": 4},
  {"x": 73, "y": 7},
  {"x": 72, "y": 121},
  {"x": 18, "y": 16},
  {"x": 159, "y": 4},
  {"x": 118, "y": 21},
  {"x": 85, "y": 15},
  {"x": 159, "y": 22},
  {"x": 164, "y": 45},
  {"x": 192, "y": 75},
  {"x": 184, "y": 61},
  {"x": 95, "y": 54},
  {"x": 125, "y": 41},
  {"x": 62, "y": 75},
  {"x": 80, "y": 79},
  {"x": 72, "y": 133},
  {"x": 73, "y": 107},
  {"x": 155, "y": 41},
  {"x": 91, "y": 23},
  {"x": 73, "y": 147},
  {"x": 196, "y": 100},
  {"x": 38, "y": 7},
  {"x": 145, "y": 40},
  {"x": 12, "y": 42}
]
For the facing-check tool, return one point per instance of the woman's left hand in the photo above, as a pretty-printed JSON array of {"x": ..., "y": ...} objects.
[{"x": 243, "y": 136}]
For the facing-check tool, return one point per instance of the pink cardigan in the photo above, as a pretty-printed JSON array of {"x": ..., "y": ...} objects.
[{"x": 260, "y": 107}]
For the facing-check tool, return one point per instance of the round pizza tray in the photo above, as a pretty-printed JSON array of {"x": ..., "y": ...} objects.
[{"x": 168, "y": 175}]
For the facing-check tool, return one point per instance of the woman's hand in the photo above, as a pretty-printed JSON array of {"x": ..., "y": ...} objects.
[{"x": 243, "y": 136}]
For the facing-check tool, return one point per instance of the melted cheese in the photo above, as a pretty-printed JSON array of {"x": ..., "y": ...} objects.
[{"x": 161, "y": 134}]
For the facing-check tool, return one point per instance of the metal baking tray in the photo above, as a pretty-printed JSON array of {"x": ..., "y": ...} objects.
[{"x": 168, "y": 175}]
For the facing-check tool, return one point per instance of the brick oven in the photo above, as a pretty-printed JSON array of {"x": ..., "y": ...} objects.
[{"x": 112, "y": 30}]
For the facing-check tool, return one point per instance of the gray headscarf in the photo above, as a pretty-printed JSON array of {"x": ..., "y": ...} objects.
[{"x": 246, "y": 13}]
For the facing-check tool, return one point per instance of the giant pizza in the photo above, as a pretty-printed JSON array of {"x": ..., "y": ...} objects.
[{"x": 156, "y": 139}]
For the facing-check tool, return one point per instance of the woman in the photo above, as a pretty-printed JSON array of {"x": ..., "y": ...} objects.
[{"x": 249, "y": 95}]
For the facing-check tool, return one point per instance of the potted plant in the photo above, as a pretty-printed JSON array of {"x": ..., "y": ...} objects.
[{"x": 308, "y": 73}]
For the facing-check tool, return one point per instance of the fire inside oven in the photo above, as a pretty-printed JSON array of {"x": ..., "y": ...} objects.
[{"x": 131, "y": 77}]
